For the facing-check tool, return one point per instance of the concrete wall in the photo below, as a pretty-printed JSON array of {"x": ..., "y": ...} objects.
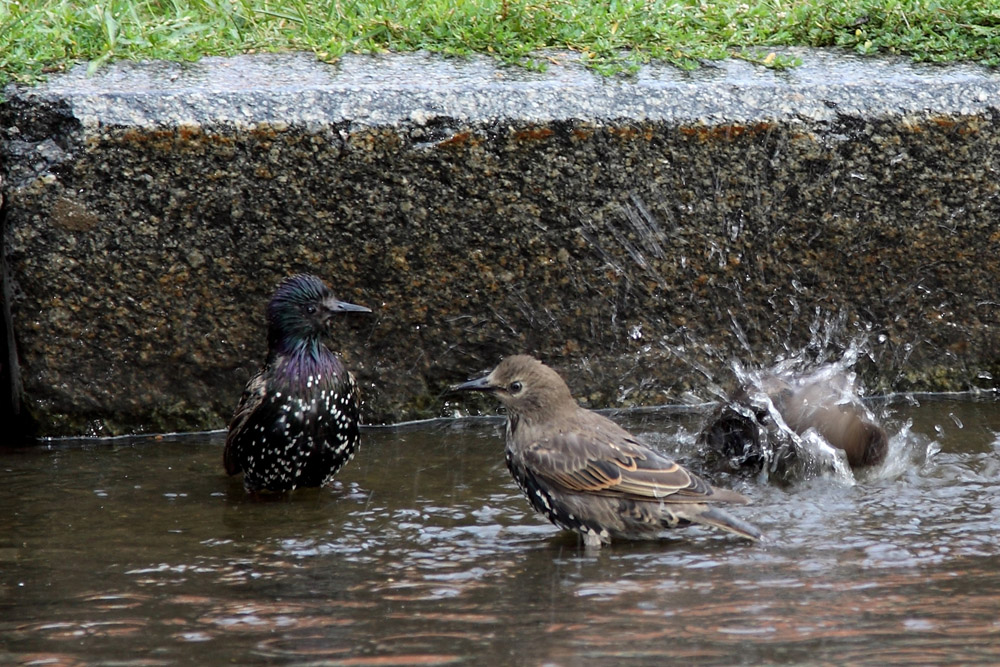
[{"x": 634, "y": 232}]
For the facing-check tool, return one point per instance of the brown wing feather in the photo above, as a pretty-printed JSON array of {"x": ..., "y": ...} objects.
[{"x": 602, "y": 458}]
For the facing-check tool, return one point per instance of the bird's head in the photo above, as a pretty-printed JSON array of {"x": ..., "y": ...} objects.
[
  {"x": 526, "y": 387},
  {"x": 300, "y": 309}
]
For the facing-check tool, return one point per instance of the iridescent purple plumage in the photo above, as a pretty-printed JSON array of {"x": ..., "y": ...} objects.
[{"x": 297, "y": 422}]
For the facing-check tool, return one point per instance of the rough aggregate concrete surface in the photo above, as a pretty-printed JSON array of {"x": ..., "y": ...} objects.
[{"x": 637, "y": 233}]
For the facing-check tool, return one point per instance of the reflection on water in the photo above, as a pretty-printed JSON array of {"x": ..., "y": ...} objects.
[{"x": 424, "y": 552}]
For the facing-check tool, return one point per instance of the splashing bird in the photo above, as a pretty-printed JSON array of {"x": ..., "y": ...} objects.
[
  {"x": 297, "y": 422},
  {"x": 744, "y": 434},
  {"x": 585, "y": 473}
]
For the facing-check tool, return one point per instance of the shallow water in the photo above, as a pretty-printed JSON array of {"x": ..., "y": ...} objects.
[{"x": 142, "y": 552}]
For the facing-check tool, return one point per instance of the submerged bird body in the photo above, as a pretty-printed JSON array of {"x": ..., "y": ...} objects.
[
  {"x": 297, "y": 422},
  {"x": 585, "y": 473}
]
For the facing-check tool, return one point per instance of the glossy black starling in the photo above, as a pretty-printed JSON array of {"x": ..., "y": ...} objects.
[
  {"x": 297, "y": 422},
  {"x": 585, "y": 473},
  {"x": 744, "y": 433}
]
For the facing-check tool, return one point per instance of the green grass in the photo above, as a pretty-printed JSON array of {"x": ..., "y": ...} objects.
[{"x": 41, "y": 36}]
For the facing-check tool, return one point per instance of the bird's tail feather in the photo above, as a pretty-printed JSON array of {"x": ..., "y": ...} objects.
[{"x": 713, "y": 516}]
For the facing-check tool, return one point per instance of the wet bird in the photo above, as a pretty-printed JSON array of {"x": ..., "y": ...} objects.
[
  {"x": 585, "y": 473},
  {"x": 297, "y": 422},
  {"x": 743, "y": 431},
  {"x": 844, "y": 425}
]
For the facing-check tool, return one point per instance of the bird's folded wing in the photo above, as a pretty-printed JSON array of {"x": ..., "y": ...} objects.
[
  {"x": 589, "y": 463},
  {"x": 253, "y": 396}
]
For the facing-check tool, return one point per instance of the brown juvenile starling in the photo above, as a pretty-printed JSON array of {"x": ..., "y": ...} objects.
[
  {"x": 297, "y": 422},
  {"x": 743, "y": 431},
  {"x": 585, "y": 473},
  {"x": 842, "y": 424}
]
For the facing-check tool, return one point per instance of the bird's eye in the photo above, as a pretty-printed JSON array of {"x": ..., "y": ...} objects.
[
  {"x": 311, "y": 309},
  {"x": 515, "y": 387}
]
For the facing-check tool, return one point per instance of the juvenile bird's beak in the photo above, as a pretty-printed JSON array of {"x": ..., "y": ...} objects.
[
  {"x": 335, "y": 306},
  {"x": 482, "y": 384}
]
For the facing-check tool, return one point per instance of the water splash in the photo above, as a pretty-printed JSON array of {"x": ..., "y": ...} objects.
[
  {"x": 908, "y": 451},
  {"x": 796, "y": 419}
]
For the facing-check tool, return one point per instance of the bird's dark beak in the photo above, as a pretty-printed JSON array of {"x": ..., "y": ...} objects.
[
  {"x": 335, "y": 306},
  {"x": 482, "y": 384}
]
